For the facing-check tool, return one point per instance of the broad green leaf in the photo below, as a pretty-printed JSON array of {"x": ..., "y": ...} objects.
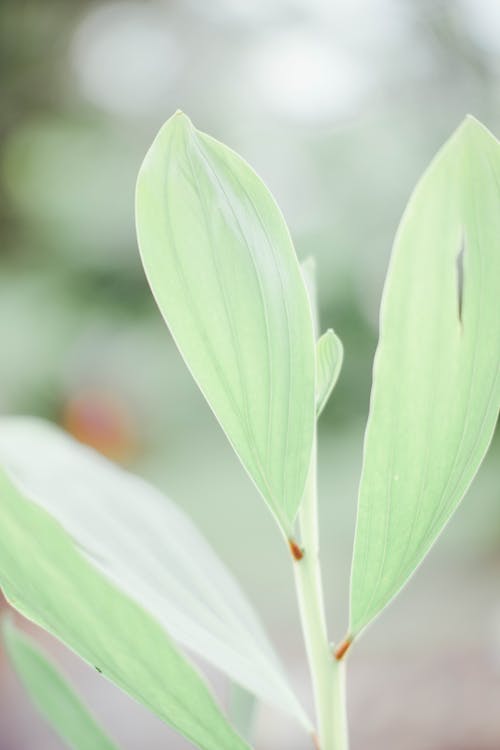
[
  {"x": 329, "y": 355},
  {"x": 51, "y": 694},
  {"x": 149, "y": 549},
  {"x": 47, "y": 579},
  {"x": 436, "y": 385},
  {"x": 221, "y": 265}
]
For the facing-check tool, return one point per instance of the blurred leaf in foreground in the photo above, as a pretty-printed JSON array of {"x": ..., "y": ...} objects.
[
  {"x": 52, "y": 696},
  {"x": 46, "y": 578},
  {"x": 141, "y": 542}
]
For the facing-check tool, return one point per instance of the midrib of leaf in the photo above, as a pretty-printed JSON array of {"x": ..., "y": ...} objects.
[
  {"x": 234, "y": 339},
  {"x": 290, "y": 369},
  {"x": 216, "y": 179},
  {"x": 283, "y": 296},
  {"x": 194, "y": 311}
]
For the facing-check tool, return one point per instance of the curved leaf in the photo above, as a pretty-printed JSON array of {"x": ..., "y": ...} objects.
[
  {"x": 221, "y": 265},
  {"x": 329, "y": 349},
  {"x": 436, "y": 383},
  {"x": 147, "y": 547},
  {"x": 52, "y": 696},
  {"x": 48, "y": 580},
  {"x": 329, "y": 356}
]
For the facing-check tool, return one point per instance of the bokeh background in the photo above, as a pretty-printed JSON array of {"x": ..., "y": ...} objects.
[{"x": 339, "y": 105}]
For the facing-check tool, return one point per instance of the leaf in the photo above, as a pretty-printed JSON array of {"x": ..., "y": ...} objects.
[
  {"x": 144, "y": 544},
  {"x": 52, "y": 696},
  {"x": 329, "y": 349},
  {"x": 47, "y": 579},
  {"x": 221, "y": 265},
  {"x": 329, "y": 356},
  {"x": 242, "y": 709},
  {"x": 436, "y": 385}
]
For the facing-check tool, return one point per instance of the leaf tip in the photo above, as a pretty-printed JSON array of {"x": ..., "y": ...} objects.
[
  {"x": 180, "y": 120},
  {"x": 472, "y": 127}
]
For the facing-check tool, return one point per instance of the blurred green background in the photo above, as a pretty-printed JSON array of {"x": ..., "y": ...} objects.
[{"x": 339, "y": 105}]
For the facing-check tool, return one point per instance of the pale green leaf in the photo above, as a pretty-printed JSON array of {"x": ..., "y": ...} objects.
[
  {"x": 47, "y": 579},
  {"x": 436, "y": 384},
  {"x": 221, "y": 265},
  {"x": 329, "y": 355},
  {"x": 329, "y": 350},
  {"x": 149, "y": 549},
  {"x": 51, "y": 694}
]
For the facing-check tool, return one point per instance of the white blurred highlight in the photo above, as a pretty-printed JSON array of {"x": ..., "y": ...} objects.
[
  {"x": 301, "y": 75},
  {"x": 125, "y": 57}
]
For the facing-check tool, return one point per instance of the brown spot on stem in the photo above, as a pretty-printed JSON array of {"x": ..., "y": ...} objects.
[
  {"x": 342, "y": 649},
  {"x": 315, "y": 740},
  {"x": 297, "y": 552}
]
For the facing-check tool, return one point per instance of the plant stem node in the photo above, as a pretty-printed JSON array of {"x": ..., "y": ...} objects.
[
  {"x": 297, "y": 552},
  {"x": 342, "y": 649}
]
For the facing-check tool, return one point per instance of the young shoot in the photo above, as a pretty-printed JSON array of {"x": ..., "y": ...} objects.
[{"x": 111, "y": 567}]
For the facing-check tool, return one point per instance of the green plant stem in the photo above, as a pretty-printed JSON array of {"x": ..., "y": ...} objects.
[
  {"x": 327, "y": 674},
  {"x": 340, "y": 728}
]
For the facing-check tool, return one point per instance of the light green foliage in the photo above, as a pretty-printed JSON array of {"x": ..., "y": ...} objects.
[
  {"x": 329, "y": 349},
  {"x": 107, "y": 564},
  {"x": 221, "y": 264},
  {"x": 139, "y": 540},
  {"x": 436, "y": 385},
  {"x": 51, "y": 694},
  {"x": 329, "y": 355},
  {"x": 47, "y": 579}
]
